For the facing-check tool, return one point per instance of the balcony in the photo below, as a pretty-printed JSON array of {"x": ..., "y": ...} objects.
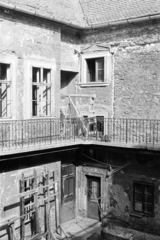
[{"x": 29, "y": 135}]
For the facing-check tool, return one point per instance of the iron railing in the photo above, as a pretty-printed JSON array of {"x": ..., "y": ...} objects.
[
  {"x": 18, "y": 134},
  {"x": 134, "y": 131},
  {"x": 39, "y": 132}
]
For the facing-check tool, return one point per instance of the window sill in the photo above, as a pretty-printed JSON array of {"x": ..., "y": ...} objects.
[
  {"x": 94, "y": 84},
  {"x": 140, "y": 215}
]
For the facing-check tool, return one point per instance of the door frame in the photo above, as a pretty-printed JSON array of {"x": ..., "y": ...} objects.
[
  {"x": 65, "y": 201},
  {"x": 92, "y": 172},
  {"x": 99, "y": 181}
]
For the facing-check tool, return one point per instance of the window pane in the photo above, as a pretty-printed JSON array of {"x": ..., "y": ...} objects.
[
  {"x": 5, "y": 102},
  {"x": 94, "y": 190},
  {"x": 100, "y": 69},
  {"x": 148, "y": 198},
  {"x": 8, "y": 109},
  {"x": 71, "y": 169},
  {"x": 100, "y": 63},
  {"x": 46, "y": 75},
  {"x": 71, "y": 183},
  {"x": 138, "y": 187},
  {"x": 148, "y": 189},
  {"x": 138, "y": 206},
  {"x": 90, "y": 70},
  {"x": 100, "y": 75},
  {"x": 46, "y": 100},
  {"x": 45, "y": 108},
  {"x": 4, "y": 71},
  {"x": 138, "y": 197},
  {"x": 66, "y": 190},
  {"x": 46, "y": 93},
  {"x": 34, "y": 108},
  {"x": 48, "y": 108},
  {"x": 34, "y": 92},
  {"x": 36, "y": 74},
  {"x": 148, "y": 208},
  {"x": 100, "y": 124},
  {"x": 3, "y": 91},
  {"x": 3, "y": 108},
  {"x": 64, "y": 170}
]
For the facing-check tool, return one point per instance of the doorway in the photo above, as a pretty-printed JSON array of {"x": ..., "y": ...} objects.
[
  {"x": 68, "y": 181},
  {"x": 94, "y": 197}
]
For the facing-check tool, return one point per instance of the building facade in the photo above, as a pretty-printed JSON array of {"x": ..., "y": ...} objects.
[{"x": 79, "y": 119}]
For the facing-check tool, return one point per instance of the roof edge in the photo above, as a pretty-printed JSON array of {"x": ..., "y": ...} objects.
[
  {"x": 89, "y": 27},
  {"x": 34, "y": 13}
]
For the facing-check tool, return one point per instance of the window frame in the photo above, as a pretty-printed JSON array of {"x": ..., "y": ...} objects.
[
  {"x": 12, "y": 61},
  {"x": 40, "y": 84},
  {"x": 46, "y": 64},
  {"x": 6, "y": 84},
  {"x": 143, "y": 182},
  {"x": 95, "y": 55},
  {"x": 93, "y": 126}
]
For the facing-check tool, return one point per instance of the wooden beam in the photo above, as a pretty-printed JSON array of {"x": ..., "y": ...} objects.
[
  {"x": 80, "y": 95},
  {"x": 38, "y": 229},
  {"x": 22, "y": 209}
]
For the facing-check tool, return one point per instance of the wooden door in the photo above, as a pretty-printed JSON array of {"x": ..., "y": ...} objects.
[
  {"x": 68, "y": 192},
  {"x": 94, "y": 195}
]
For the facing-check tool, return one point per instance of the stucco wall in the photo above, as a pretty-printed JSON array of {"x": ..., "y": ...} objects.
[
  {"x": 10, "y": 182},
  {"x": 30, "y": 39}
]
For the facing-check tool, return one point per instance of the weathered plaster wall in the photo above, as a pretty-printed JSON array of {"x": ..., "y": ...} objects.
[
  {"x": 30, "y": 39},
  {"x": 118, "y": 217},
  {"x": 136, "y": 49},
  {"x": 70, "y": 46},
  {"x": 102, "y": 103},
  {"x": 10, "y": 186}
]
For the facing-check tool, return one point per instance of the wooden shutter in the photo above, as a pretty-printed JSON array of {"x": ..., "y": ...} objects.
[{"x": 108, "y": 68}]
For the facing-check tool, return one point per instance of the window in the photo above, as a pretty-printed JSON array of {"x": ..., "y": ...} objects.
[
  {"x": 5, "y": 90},
  {"x": 95, "y": 124},
  {"x": 100, "y": 124},
  {"x": 95, "y": 70},
  {"x": 41, "y": 92},
  {"x": 143, "y": 198}
]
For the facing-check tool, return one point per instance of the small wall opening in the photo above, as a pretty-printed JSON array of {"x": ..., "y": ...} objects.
[{"x": 68, "y": 82}]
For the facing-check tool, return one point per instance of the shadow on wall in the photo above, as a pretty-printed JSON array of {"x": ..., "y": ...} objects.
[{"x": 68, "y": 81}]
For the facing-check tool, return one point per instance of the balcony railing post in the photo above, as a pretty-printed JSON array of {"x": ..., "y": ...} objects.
[
  {"x": 22, "y": 132},
  {"x": 74, "y": 129},
  {"x": 50, "y": 131},
  {"x": 126, "y": 130}
]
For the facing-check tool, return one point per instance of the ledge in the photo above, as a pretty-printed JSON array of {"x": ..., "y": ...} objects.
[{"x": 95, "y": 84}]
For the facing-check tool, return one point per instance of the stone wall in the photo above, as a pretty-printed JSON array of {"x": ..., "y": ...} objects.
[
  {"x": 118, "y": 170},
  {"x": 136, "y": 49}
]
